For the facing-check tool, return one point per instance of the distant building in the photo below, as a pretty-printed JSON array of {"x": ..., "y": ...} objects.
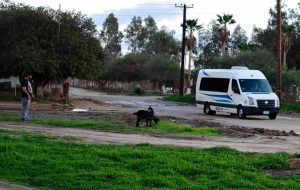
[{"x": 14, "y": 81}]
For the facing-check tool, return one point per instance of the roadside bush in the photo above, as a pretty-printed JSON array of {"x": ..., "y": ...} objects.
[{"x": 138, "y": 90}]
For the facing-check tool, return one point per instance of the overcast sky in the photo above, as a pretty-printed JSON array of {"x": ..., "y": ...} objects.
[{"x": 246, "y": 13}]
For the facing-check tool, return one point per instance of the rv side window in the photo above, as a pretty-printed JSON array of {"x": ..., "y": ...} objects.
[{"x": 214, "y": 84}]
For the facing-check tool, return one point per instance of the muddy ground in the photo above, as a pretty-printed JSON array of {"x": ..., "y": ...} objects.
[
  {"x": 242, "y": 138},
  {"x": 50, "y": 110}
]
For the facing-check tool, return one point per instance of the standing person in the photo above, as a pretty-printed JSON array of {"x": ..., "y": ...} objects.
[
  {"x": 26, "y": 97},
  {"x": 30, "y": 89}
]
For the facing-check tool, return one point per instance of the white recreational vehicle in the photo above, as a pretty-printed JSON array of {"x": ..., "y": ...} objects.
[{"x": 236, "y": 91}]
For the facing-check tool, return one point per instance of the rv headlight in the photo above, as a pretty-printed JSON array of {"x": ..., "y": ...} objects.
[
  {"x": 277, "y": 102},
  {"x": 251, "y": 101}
]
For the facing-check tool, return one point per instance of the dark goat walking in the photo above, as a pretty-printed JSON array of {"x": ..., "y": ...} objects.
[{"x": 147, "y": 115}]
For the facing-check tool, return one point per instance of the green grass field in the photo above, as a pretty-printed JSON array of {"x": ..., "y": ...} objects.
[
  {"x": 163, "y": 127},
  {"x": 50, "y": 163},
  {"x": 177, "y": 98},
  {"x": 290, "y": 107}
]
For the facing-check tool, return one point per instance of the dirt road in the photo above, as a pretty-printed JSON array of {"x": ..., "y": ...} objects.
[{"x": 164, "y": 108}]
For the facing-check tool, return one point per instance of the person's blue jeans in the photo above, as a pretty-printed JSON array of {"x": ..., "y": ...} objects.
[{"x": 25, "y": 108}]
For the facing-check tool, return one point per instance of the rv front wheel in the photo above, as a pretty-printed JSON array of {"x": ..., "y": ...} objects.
[
  {"x": 241, "y": 113},
  {"x": 272, "y": 116}
]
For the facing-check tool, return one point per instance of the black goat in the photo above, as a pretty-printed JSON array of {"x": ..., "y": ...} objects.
[{"x": 147, "y": 115}]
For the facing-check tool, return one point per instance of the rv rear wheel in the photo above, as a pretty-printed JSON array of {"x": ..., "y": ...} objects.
[
  {"x": 240, "y": 113},
  {"x": 207, "y": 110}
]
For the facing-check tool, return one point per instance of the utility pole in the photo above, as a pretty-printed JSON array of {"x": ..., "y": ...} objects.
[
  {"x": 279, "y": 49},
  {"x": 58, "y": 30},
  {"x": 182, "y": 47}
]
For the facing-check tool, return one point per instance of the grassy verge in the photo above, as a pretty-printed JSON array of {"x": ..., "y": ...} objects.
[
  {"x": 9, "y": 117},
  {"x": 163, "y": 127},
  {"x": 177, "y": 98},
  {"x": 290, "y": 107},
  {"x": 38, "y": 161}
]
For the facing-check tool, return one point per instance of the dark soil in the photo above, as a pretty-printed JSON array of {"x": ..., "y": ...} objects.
[{"x": 235, "y": 131}]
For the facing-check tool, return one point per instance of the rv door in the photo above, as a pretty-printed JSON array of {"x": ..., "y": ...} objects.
[{"x": 235, "y": 92}]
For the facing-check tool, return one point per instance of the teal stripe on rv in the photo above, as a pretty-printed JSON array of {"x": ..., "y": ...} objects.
[{"x": 224, "y": 98}]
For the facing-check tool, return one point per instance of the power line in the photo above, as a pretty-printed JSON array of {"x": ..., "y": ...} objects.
[{"x": 159, "y": 4}]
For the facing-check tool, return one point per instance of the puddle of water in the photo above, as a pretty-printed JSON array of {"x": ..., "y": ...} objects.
[
  {"x": 79, "y": 110},
  {"x": 137, "y": 103}
]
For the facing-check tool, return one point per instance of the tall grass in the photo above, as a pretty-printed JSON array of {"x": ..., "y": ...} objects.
[{"x": 49, "y": 163}]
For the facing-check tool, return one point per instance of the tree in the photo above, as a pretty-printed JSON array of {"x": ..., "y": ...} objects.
[
  {"x": 163, "y": 70},
  {"x": 111, "y": 36},
  {"x": 190, "y": 40},
  {"x": 29, "y": 43},
  {"x": 149, "y": 31},
  {"x": 208, "y": 47},
  {"x": 223, "y": 21},
  {"x": 134, "y": 35},
  {"x": 244, "y": 46},
  {"x": 164, "y": 43},
  {"x": 287, "y": 40},
  {"x": 127, "y": 68},
  {"x": 238, "y": 37}
]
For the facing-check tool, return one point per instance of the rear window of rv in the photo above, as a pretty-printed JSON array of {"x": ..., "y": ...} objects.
[{"x": 214, "y": 84}]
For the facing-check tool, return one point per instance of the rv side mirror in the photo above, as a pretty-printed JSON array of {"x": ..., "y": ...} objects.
[{"x": 274, "y": 90}]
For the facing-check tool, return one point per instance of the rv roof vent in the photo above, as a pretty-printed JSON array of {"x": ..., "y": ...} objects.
[{"x": 239, "y": 68}]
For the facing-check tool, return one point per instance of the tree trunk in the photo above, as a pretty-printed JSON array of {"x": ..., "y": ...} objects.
[
  {"x": 223, "y": 48},
  {"x": 189, "y": 69},
  {"x": 284, "y": 59}
]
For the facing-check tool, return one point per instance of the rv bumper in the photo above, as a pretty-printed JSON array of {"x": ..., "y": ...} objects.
[{"x": 257, "y": 111}]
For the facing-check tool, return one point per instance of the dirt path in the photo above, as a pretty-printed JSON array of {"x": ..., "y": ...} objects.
[
  {"x": 8, "y": 186},
  {"x": 256, "y": 143}
]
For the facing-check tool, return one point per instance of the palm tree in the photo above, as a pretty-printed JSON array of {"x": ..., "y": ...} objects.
[
  {"x": 190, "y": 40},
  {"x": 287, "y": 35},
  {"x": 223, "y": 32}
]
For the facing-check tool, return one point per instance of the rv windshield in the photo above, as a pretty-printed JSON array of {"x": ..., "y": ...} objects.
[{"x": 255, "y": 85}]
